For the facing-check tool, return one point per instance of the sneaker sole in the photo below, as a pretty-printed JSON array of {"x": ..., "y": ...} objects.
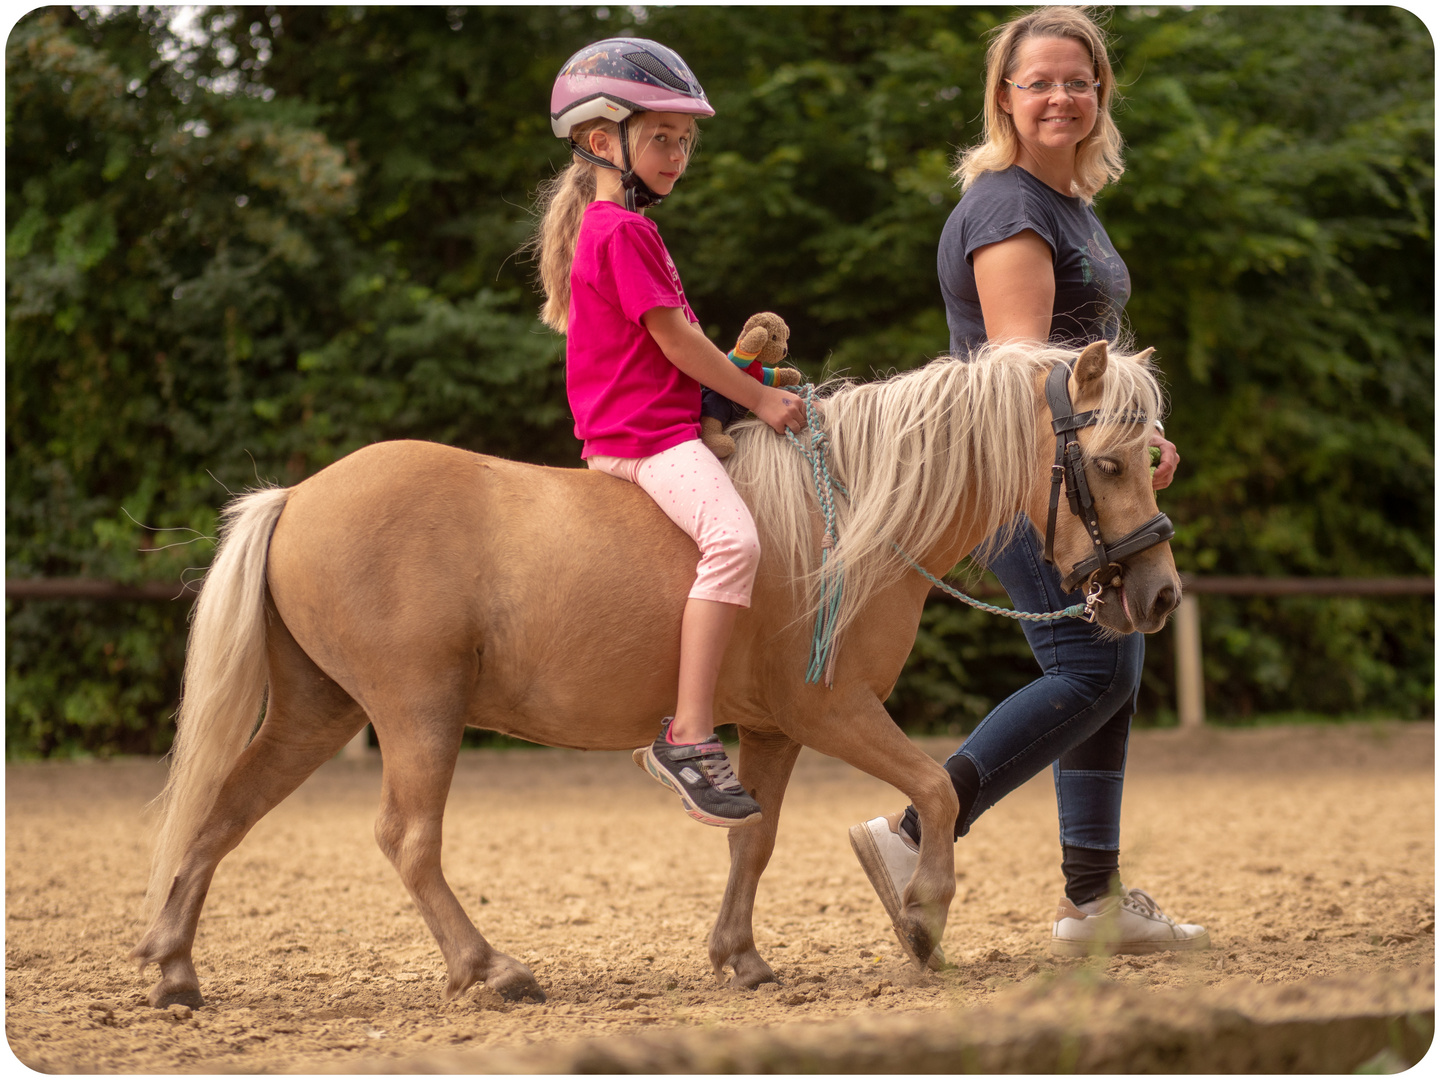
[
  {"x": 1068, "y": 947},
  {"x": 646, "y": 761},
  {"x": 873, "y": 863}
]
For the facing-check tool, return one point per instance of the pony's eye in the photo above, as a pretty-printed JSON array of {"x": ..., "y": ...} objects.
[{"x": 1108, "y": 466}]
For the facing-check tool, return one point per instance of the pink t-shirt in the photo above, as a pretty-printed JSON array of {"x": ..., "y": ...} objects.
[{"x": 629, "y": 401}]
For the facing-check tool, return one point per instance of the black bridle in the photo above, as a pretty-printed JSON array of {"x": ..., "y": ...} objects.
[{"x": 1069, "y": 470}]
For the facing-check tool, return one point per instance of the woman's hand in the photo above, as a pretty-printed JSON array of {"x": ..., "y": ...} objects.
[{"x": 1169, "y": 461}]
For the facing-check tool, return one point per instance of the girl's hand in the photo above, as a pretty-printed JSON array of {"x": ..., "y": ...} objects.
[
  {"x": 687, "y": 347},
  {"x": 1169, "y": 461},
  {"x": 780, "y": 409}
]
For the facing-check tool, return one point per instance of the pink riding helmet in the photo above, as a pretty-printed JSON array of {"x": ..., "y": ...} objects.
[{"x": 619, "y": 77}]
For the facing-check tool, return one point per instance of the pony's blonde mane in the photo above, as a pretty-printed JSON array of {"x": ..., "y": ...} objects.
[{"x": 951, "y": 442}]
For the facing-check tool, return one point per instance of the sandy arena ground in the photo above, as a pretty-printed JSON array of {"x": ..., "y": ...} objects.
[{"x": 1307, "y": 851}]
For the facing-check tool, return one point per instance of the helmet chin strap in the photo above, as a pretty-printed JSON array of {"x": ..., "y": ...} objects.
[{"x": 638, "y": 194}]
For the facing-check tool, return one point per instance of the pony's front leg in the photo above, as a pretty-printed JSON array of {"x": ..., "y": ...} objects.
[
  {"x": 856, "y": 728},
  {"x": 764, "y": 769},
  {"x": 418, "y": 767}
]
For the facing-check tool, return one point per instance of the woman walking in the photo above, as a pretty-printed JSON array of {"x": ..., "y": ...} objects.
[{"x": 1023, "y": 256}]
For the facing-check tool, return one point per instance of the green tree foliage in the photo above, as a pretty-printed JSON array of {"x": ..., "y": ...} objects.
[
  {"x": 1277, "y": 216},
  {"x": 241, "y": 249}
]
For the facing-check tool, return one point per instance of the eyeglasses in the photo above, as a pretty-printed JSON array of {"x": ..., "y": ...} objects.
[{"x": 1075, "y": 87}]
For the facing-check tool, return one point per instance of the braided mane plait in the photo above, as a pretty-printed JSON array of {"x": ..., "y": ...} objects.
[{"x": 912, "y": 451}]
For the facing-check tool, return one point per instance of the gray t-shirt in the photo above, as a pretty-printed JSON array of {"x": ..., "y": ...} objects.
[{"x": 1092, "y": 285}]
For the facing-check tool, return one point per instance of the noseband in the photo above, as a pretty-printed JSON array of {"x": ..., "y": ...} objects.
[{"x": 1069, "y": 470}]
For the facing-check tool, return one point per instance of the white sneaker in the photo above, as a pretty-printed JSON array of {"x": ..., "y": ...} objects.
[
  {"x": 1129, "y": 923},
  {"x": 889, "y": 857}
]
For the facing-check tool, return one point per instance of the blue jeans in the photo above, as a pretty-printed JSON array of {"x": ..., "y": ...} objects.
[{"x": 1076, "y": 715}]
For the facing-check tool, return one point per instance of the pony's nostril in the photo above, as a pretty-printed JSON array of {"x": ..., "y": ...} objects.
[{"x": 1166, "y": 600}]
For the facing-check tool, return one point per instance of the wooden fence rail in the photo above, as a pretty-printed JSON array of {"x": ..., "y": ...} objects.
[
  {"x": 91, "y": 589},
  {"x": 1189, "y": 660},
  {"x": 1307, "y": 586},
  {"x": 1189, "y": 665}
]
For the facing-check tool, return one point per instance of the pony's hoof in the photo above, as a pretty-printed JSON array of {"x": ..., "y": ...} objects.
[
  {"x": 163, "y": 999},
  {"x": 750, "y": 972},
  {"x": 524, "y": 993},
  {"x": 517, "y": 986},
  {"x": 752, "y": 981},
  {"x": 917, "y": 941}
]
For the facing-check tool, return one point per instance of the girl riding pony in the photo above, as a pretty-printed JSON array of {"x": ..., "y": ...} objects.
[{"x": 635, "y": 361}]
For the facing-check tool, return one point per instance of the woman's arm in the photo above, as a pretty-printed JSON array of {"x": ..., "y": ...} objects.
[
  {"x": 1016, "y": 282},
  {"x": 1015, "y": 279},
  {"x": 685, "y": 346}
]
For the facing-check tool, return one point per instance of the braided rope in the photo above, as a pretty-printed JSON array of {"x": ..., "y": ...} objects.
[
  {"x": 1074, "y": 611},
  {"x": 832, "y": 580}
]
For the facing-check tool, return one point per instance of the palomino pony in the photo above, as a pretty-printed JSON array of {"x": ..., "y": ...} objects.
[{"x": 426, "y": 589}]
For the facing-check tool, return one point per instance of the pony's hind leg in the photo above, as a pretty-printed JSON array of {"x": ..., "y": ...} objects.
[
  {"x": 419, "y": 765},
  {"x": 308, "y": 719},
  {"x": 764, "y": 769}
]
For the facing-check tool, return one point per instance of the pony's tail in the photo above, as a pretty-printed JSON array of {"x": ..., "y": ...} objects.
[{"x": 224, "y": 684}]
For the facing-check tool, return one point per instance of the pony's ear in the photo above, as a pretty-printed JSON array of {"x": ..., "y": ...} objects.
[
  {"x": 1094, "y": 359},
  {"x": 1141, "y": 357}
]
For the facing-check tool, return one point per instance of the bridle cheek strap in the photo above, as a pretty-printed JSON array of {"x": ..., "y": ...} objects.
[{"x": 1069, "y": 472}]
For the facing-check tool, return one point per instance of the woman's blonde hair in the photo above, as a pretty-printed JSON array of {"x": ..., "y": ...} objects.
[
  {"x": 1098, "y": 159},
  {"x": 560, "y": 208}
]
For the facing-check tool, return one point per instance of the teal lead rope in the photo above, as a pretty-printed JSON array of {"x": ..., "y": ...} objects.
[
  {"x": 1074, "y": 611},
  {"x": 832, "y": 580}
]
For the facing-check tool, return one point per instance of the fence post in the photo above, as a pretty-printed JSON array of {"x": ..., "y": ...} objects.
[{"x": 1189, "y": 676}]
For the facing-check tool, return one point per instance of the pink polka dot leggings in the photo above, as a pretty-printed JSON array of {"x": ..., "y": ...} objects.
[{"x": 692, "y": 487}]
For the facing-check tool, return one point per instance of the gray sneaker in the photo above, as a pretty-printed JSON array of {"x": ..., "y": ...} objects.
[
  {"x": 1129, "y": 923},
  {"x": 889, "y": 858},
  {"x": 701, "y": 775}
]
